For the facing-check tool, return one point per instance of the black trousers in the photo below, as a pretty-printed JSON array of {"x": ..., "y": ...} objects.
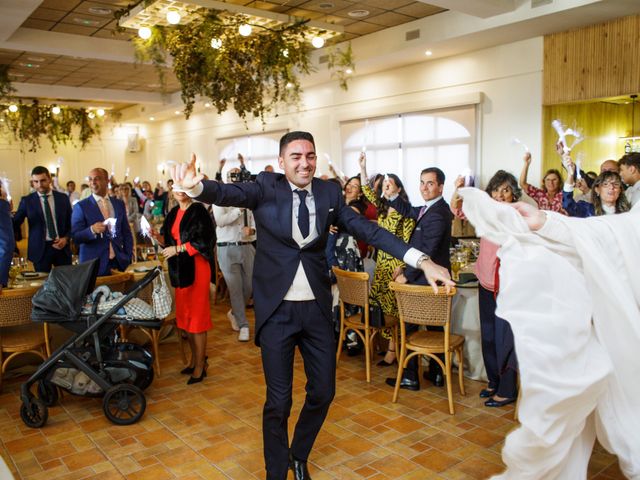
[
  {"x": 300, "y": 324},
  {"x": 498, "y": 349},
  {"x": 52, "y": 257}
]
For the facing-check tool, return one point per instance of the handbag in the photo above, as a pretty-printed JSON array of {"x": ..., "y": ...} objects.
[
  {"x": 376, "y": 315},
  {"x": 161, "y": 297}
]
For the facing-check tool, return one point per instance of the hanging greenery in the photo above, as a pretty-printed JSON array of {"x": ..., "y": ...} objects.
[
  {"x": 252, "y": 74},
  {"x": 6, "y": 89},
  {"x": 29, "y": 123}
]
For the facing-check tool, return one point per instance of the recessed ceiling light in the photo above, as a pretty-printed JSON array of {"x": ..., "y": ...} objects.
[
  {"x": 326, "y": 5},
  {"x": 86, "y": 22},
  {"x": 358, "y": 13},
  {"x": 150, "y": 85},
  {"x": 428, "y": 53},
  {"x": 100, "y": 11},
  {"x": 207, "y": 105},
  {"x": 152, "y": 118},
  {"x": 348, "y": 71},
  {"x": 177, "y": 112},
  {"x": 36, "y": 59}
]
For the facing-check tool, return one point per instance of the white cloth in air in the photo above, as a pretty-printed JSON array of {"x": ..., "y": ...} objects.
[{"x": 571, "y": 294}]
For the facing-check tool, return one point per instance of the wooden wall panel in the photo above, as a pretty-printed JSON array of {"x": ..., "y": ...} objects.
[
  {"x": 602, "y": 123},
  {"x": 598, "y": 61}
]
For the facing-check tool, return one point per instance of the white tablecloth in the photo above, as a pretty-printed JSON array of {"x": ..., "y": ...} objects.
[{"x": 465, "y": 320}]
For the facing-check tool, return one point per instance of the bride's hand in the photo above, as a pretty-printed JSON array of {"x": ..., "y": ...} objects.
[
  {"x": 535, "y": 218},
  {"x": 185, "y": 175}
]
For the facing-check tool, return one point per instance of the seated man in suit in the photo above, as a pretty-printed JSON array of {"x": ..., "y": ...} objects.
[
  {"x": 292, "y": 289},
  {"x": 112, "y": 244},
  {"x": 432, "y": 235},
  {"x": 49, "y": 216}
]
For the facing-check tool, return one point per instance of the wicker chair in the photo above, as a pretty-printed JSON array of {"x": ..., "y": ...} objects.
[
  {"x": 117, "y": 281},
  {"x": 18, "y": 334},
  {"x": 420, "y": 306},
  {"x": 151, "y": 333},
  {"x": 354, "y": 290}
]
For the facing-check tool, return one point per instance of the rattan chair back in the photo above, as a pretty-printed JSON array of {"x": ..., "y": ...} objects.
[
  {"x": 419, "y": 305},
  {"x": 353, "y": 287},
  {"x": 15, "y": 306},
  {"x": 117, "y": 281}
]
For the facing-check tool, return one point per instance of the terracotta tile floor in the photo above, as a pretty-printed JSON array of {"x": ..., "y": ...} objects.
[{"x": 212, "y": 430}]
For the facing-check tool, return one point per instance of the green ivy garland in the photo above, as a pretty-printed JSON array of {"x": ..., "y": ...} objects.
[
  {"x": 31, "y": 122},
  {"x": 250, "y": 74}
]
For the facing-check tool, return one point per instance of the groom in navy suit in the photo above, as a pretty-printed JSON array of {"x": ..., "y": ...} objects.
[
  {"x": 112, "y": 245},
  {"x": 291, "y": 286},
  {"x": 49, "y": 216}
]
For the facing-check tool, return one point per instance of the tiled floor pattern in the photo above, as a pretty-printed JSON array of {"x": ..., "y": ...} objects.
[{"x": 212, "y": 430}]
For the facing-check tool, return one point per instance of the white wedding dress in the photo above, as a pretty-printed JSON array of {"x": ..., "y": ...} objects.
[{"x": 571, "y": 294}]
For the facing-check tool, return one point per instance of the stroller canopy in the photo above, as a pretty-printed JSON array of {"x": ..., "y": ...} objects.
[{"x": 61, "y": 297}]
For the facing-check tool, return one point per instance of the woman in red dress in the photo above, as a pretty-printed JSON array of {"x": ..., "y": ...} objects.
[{"x": 190, "y": 238}]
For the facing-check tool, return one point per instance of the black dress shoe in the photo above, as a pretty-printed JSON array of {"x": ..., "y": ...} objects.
[
  {"x": 299, "y": 469},
  {"x": 487, "y": 392},
  {"x": 405, "y": 383},
  {"x": 498, "y": 403},
  {"x": 437, "y": 379}
]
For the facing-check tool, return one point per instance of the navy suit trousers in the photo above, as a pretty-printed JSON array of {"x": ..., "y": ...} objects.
[
  {"x": 52, "y": 257},
  {"x": 498, "y": 349},
  {"x": 300, "y": 324}
]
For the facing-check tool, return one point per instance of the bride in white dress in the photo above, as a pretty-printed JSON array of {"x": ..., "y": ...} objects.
[{"x": 577, "y": 334}]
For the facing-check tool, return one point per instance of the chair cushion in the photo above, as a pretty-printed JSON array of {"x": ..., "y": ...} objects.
[
  {"x": 433, "y": 341},
  {"x": 26, "y": 337}
]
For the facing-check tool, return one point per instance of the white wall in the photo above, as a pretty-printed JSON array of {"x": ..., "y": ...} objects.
[{"x": 505, "y": 82}]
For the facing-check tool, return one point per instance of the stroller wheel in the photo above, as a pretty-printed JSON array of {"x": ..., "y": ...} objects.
[
  {"x": 48, "y": 393},
  {"x": 124, "y": 404},
  {"x": 35, "y": 414}
]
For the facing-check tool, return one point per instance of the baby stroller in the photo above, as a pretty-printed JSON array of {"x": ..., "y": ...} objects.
[{"x": 91, "y": 362}]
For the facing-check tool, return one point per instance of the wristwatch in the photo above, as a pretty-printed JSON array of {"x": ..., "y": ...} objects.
[{"x": 422, "y": 258}]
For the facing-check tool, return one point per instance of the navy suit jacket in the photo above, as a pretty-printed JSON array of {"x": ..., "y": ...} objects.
[
  {"x": 85, "y": 213},
  {"x": 31, "y": 208},
  {"x": 278, "y": 255},
  {"x": 7, "y": 244},
  {"x": 432, "y": 234}
]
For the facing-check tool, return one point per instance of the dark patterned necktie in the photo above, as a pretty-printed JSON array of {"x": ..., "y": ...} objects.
[
  {"x": 48, "y": 216},
  {"x": 303, "y": 213}
]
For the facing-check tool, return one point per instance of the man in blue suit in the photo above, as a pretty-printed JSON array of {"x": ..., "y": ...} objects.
[
  {"x": 7, "y": 243},
  {"x": 292, "y": 288},
  {"x": 431, "y": 235},
  {"x": 49, "y": 215},
  {"x": 91, "y": 231}
]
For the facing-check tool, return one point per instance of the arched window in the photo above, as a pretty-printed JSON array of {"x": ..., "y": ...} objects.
[
  {"x": 407, "y": 143},
  {"x": 258, "y": 151}
]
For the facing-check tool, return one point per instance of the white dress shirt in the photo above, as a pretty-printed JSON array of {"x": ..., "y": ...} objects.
[
  {"x": 300, "y": 288},
  {"x": 44, "y": 213},
  {"x": 633, "y": 193}
]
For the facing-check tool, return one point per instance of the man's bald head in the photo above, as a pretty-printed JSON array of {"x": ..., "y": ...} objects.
[{"x": 609, "y": 166}]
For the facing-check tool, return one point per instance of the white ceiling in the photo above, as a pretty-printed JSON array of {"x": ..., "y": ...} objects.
[{"x": 467, "y": 25}]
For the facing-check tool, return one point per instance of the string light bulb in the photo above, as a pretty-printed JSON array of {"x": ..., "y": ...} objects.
[
  {"x": 285, "y": 53},
  {"x": 13, "y": 108},
  {"x": 55, "y": 110},
  {"x": 91, "y": 115},
  {"x": 100, "y": 112},
  {"x": 173, "y": 17},
  {"x": 216, "y": 43},
  {"x": 245, "y": 29},
  {"x": 144, "y": 33},
  {"x": 317, "y": 42}
]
